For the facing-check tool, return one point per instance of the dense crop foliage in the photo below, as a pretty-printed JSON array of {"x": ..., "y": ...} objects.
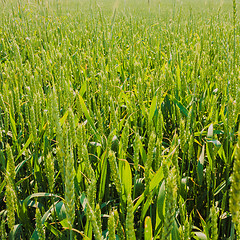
[{"x": 119, "y": 119}]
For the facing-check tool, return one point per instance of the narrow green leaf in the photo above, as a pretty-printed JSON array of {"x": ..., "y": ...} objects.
[
  {"x": 83, "y": 88},
  {"x": 126, "y": 176},
  {"x": 152, "y": 108},
  {"x": 204, "y": 225},
  {"x": 157, "y": 178},
  {"x": 146, "y": 206},
  {"x": 54, "y": 230},
  {"x": 3, "y": 184},
  {"x": 143, "y": 152},
  {"x": 103, "y": 177},
  {"x": 63, "y": 118},
  {"x": 222, "y": 186},
  {"x": 25, "y": 146},
  {"x": 13, "y": 126},
  {"x": 89, "y": 119},
  {"x": 16, "y": 230},
  {"x": 175, "y": 232},
  {"x": 161, "y": 201},
  {"x": 19, "y": 166},
  {"x": 181, "y": 107},
  {"x": 46, "y": 215},
  {"x": 209, "y": 156}
]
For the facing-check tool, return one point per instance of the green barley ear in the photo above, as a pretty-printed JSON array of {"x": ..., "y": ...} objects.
[
  {"x": 3, "y": 230},
  {"x": 130, "y": 232},
  {"x": 91, "y": 189},
  {"x": 69, "y": 188},
  {"x": 110, "y": 140},
  {"x": 165, "y": 168},
  {"x": 189, "y": 120},
  {"x": 175, "y": 164},
  {"x": 136, "y": 148},
  {"x": 209, "y": 182},
  {"x": 88, "y": 167},
  {"x": 111, "y": 226},
  {"x": 149, "y": 161},
  {"x": 39, "y": 107},
  {"x": 17, "y": 54},
  {"x": 39, "y": 226},
  {"x": 191, "y": 148},
  {"x": 6, "y": 121},
  {"x": 10, "y": 162},
  {"x": 170, "y": 203},
  {"x": 35, "y": 189},
  {"x": 182, "y": 134},
  {"x": 178, "y": 114},
  {"x": 119, "y": 227},
  {"x": 134, "y": 112},
  {"x": 56, "y": 119},
  {"x": 234, "y": 12},
  {"x": 12, "y": 106},
  {"x": 60, "y": 161},
  {"x": 234, "y": 25},
  {"x": 17, "y": 101},
  {"x": 10, "y": 202},
  {"x": 114, "y": 120},
  {"x": 80, "y": 141},
  {"x": 214, "y": 223},
  {"x": 124, "y": 141},
  {"x": 78, "y": 108},
  {"x": 2, "y": 103},
  {"x": 100, "y": 122},
  {"x": 159, "y": 133},
  {"x": 33, "y": 124},
  {"x": 187, "y": 228},
  {"x": 6, "y": 114},
  {"x": 92, "y": 217},
  {"x": 72, "y": 126},
  {"x": 182, "y": 209},
  {"x": 234, "y": 201},
  {"x": 1, "y": 136},
  {"x": 160, "y": 122},
  {"x": 115, "y": 171},
  {"x": 49, "y": 168},
  {"x": 150, "y": 128},
  {"x": 98, "y": 216},
  {"x": 158, "y": 157}
]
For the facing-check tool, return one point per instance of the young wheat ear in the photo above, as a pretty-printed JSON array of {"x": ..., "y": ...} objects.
[
  {"x": 115, "y": 171},
  {"x": 111, "y": 226},
  {"x": 10, "y": 202},
  {"x": 69, "y": 189},
  {"x": 130, "y": 232},
  {"x": 170, "y": 204},
  {"x": 3, "y": 233},
  {"x": 39, "y": 226},
  {"x": 234, "y": 202}
]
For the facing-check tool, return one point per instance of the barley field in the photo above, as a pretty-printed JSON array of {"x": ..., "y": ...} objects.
[{"x": 119, "y": 119}]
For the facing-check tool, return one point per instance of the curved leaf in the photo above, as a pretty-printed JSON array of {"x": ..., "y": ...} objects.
[{"x": 41, "y": 194}]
